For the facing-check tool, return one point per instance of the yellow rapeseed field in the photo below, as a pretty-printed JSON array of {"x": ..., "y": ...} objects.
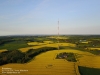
[
  {"x": 36, "y": 45},
  {"x": 94, "y": 48},
  {"x": 85, "y": 42},
  {"x": 56, "y": 37},
  {"x": 3, "y": 50},
  {"x": 25, "y": 49},
  {"x": 48, "y": 42},
  {"x": 46, "y": 64}
]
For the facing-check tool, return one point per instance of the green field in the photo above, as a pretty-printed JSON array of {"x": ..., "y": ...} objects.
[
  {"x": 89, "y": 71},
  {"x": 14, "y": 45}
]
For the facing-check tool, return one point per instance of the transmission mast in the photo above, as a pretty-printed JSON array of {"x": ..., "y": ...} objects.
[{"x": 58, "y": 34}]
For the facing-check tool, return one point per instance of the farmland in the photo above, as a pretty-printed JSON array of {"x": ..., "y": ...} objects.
[{"x": 36, "y": 55}]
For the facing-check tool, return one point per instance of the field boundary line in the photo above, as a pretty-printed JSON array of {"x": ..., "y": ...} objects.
[{"x": 76, "y": 69}]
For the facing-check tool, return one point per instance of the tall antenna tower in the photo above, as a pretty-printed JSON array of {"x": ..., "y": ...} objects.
[{"x": 58, "y": 34}]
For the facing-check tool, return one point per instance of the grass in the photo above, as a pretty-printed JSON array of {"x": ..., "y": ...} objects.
[
  {"x": 96, "y": 52},
  {"x": 88, "y": 71},
  {"x": 14, "y": 45}
]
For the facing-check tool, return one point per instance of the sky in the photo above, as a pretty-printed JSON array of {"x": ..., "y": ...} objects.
[{"x": 21, "y": 17}]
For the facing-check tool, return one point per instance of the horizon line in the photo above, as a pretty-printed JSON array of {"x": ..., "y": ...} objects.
[{"x": 44, "y": 34}]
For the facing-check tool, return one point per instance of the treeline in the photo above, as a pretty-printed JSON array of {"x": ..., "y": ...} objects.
[
  {"x": 94, "y": 43},
  {"x": 13, "y": 56},
  {"x": 16, "y": 56},
  {"x": 77, "y": 38},
  {"x": 4, "y": 40},
  {"x": 7, "y": 39}
]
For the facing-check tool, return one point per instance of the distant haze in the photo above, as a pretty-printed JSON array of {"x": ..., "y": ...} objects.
[{"x": 19, "y": 17}]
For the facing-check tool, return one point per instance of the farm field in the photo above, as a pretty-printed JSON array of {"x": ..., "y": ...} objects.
[
  {"x": 3, "y": 50},
  {"x": 36, "y": 45},
  {"x": 94, "y": 48},
  {"x": 14, "y": 45},
  {"x": 39, "y": 56},
  {"x": 46, "y": 64}
]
